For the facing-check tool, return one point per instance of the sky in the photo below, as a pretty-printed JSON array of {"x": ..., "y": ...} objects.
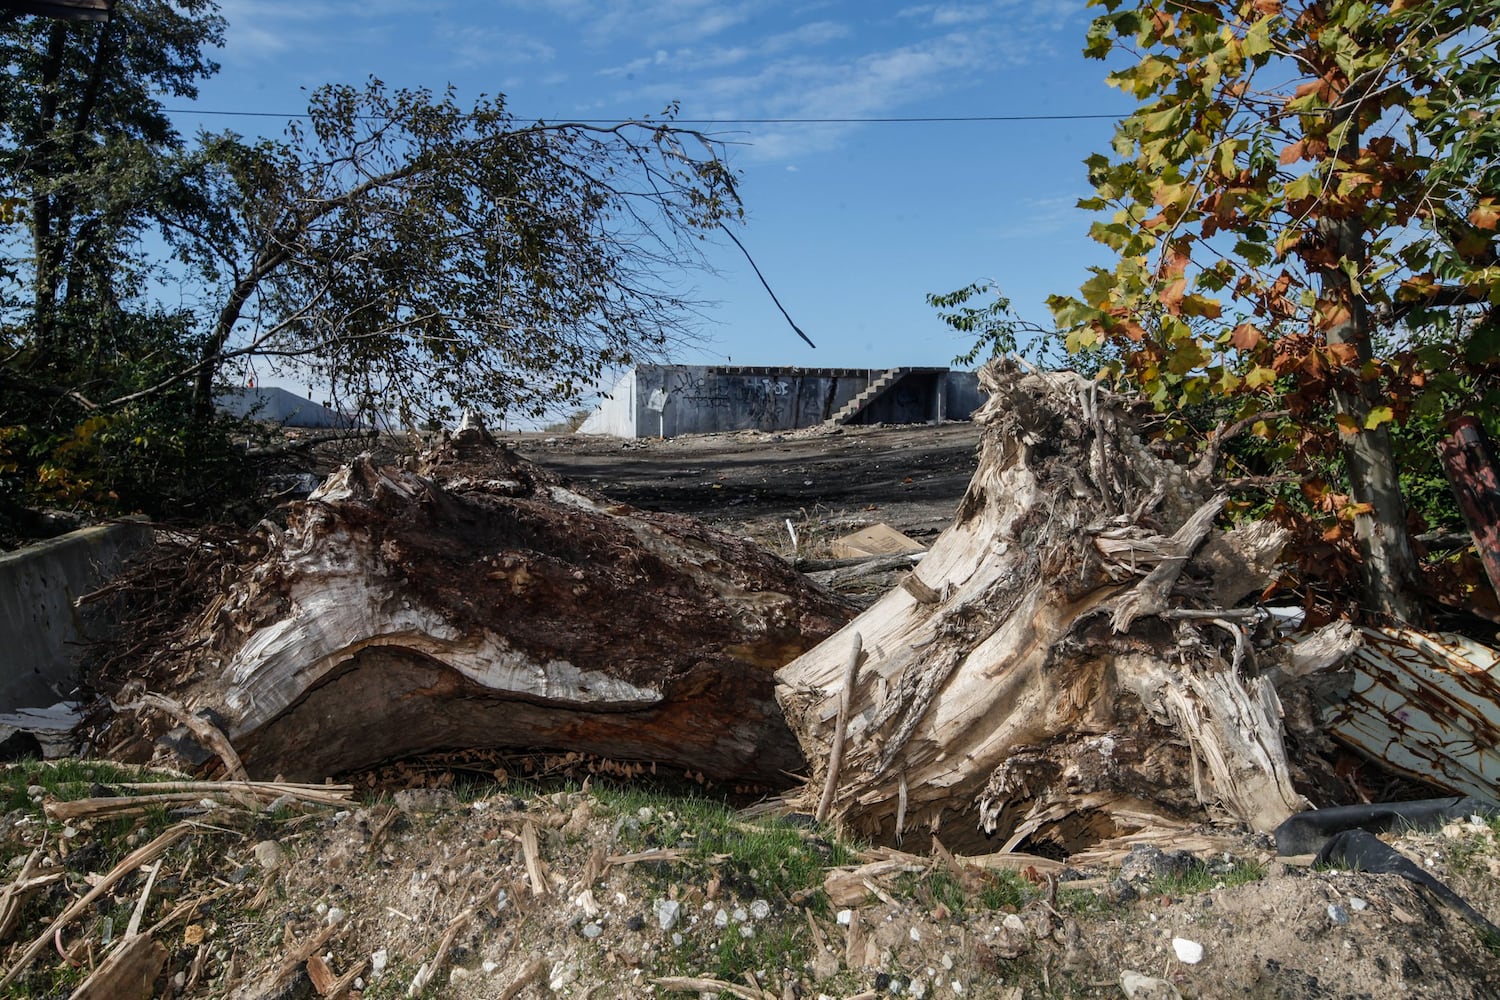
[{"x": 852, "y": 224}]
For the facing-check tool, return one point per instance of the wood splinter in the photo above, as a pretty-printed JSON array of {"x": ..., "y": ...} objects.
[{"x": 840, "y": 727}]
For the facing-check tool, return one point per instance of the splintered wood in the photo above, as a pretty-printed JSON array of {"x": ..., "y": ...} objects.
[{"x": 1037, "y": 687}]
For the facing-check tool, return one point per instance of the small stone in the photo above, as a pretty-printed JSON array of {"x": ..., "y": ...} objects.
[
  {"x": 760, "y": 909},
  {"x": 413, "y": 801},
  {"x": 916, "y": 935},
  {"x": 844, "y": 916},
  {"x": 721, "y": 918},
  {"x": 561, "y": 976},
  {"x": 1013, "y": 922},
  {"x": 636, "y": 923},
  {"x": 676, "y": 939},
  {"x": 488, "y": 966},
  {"x": 1338, "y": 914},
  {"x": 1358, "y": 905},
  {"x": 592, "y": 930},
  {"x": 667, "y": 913},
  {"x": 336, "y": 915},
  {"x": 377, "y": 962},
  {"x": 739, "y": 915},
  {"x": 746, "y": 931},
  {"x": 1187, "y": 952},
  {"x": 1139, "y": 987},
  {"x": 269, "y": 855}
]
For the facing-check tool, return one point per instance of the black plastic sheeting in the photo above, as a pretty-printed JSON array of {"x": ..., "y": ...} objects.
[{"x": 1345, "y": 837}]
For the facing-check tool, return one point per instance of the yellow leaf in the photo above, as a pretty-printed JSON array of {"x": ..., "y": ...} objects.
[{"x": 1378, "y": 415}]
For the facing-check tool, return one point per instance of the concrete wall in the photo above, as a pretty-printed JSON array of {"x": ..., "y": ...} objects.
[
  {"x": 703, "y": 399},
  {"x": 616, "y": 413},
  {"x": 40, "y": 630},
  {"x": 962, "y": 395}
]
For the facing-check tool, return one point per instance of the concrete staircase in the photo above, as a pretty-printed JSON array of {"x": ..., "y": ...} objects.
[{"x": 878, "y": 387}]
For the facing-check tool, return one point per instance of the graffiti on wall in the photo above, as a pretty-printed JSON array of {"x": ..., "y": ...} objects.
[{"x": 762, "y": 401}]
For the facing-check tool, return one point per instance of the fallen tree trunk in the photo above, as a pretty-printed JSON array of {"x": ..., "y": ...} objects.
[
  {"x": 478, "y": 602},
  {"x": 1063, "y": 665}
]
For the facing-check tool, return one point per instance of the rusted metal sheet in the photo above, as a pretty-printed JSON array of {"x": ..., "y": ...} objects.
[
  {"x": 1428, "y": 706},
  {"x": 1472, "y": 472}
]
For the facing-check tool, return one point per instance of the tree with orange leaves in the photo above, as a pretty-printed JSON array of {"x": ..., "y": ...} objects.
[{"x": 1305, "y": 210}]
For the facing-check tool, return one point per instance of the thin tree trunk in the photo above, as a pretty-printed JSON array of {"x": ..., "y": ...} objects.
[{"x": 1388, "y": 565}]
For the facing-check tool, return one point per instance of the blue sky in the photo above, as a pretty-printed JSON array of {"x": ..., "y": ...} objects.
[{"x": 851, "y": 224}]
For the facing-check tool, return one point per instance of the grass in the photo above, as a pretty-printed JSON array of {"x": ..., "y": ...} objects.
[
  {"x": 771, "y": 858},
  {"x": 1200, "y": 878}
]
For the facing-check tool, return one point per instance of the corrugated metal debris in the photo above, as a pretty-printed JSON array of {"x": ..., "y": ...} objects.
[{"x": 1428, "y": 705}]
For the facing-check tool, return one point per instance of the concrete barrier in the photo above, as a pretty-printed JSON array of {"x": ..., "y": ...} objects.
[{"x": 41, "y": 630}]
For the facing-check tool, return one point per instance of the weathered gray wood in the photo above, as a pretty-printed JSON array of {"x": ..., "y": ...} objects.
[{"x": 1030, "y": 688}]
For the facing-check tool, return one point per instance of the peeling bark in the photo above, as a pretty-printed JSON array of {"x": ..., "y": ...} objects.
[{"x": 479, "y": 602}]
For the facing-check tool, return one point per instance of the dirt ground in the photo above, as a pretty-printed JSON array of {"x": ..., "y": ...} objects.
[
  {"x": 826, "y": 482},
  {"x": 510, "y": 890}
]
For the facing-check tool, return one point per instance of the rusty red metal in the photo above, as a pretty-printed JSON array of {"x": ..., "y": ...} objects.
[{"x": 1472, "y": 472}]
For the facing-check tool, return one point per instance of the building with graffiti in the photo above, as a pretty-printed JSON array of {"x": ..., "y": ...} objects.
[{"x": 668, "y": 400}]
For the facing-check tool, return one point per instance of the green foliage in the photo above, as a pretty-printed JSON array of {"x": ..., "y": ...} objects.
[
  {"x": 993, "y": 329},
  {"x": 412, "y": 255},
  {"x": 1304, "y": 213},
  {"x": 420, "y": 256}
]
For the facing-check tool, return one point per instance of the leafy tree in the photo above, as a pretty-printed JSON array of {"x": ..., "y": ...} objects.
[
  {"x": 410, "y": 254},
  {"x": 84, "y": 148},
  {"x": 1305, "y": 212},
  {"x": 418, "y": 256}
]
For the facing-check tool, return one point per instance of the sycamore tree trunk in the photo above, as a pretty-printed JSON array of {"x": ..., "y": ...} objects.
[
  {"x": 479, "y": 602},
  {"x": 1067, "y": 663}
]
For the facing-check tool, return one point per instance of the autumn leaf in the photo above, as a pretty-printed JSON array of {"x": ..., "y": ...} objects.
[
  {"x": 1347, "y": 424},
  {"x": 1378, "y": 415},
  {"x": 1293, "y": 153},
  {"x": 1171, "y": 296},
  {"x": 1245, "y": 337},
  {"x": 1486, "y": 214}
]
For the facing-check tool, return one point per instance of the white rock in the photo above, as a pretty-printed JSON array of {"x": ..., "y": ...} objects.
[
  {"x": 1013, "y": 922},
  {"x": 1139, "y": 987},
  {"x": 746, "y": 931},
  {"x": 489, "y": 966},
  {"x": 336, "y": 915},
  {"x": 760, "y": 909},
  {"x": 592, "y": 931},
  {"x": 739, "y": 915},
  {"x": 377, "y": 962},
  {"x": 916, "y": 935},
  {"x": 667, "y": 913},
  {"x": 269, "y": 855},
  {"x": 844, "y": 916},
  {"x": 1188, "y": 952},
  {"x": 561, "y": 976},
  {"x": 721, "y": 919},
  {"x": 1357, "y": 905}
]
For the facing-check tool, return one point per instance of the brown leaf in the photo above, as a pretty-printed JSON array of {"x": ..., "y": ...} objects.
[
  {"x": 1245, "y": 337},
  {"x": 1293, "y": 153},
  {"x": 1171, "y": 296}
]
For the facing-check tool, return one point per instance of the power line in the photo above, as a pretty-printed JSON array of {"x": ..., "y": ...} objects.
[{"x": 899, "y": 120}]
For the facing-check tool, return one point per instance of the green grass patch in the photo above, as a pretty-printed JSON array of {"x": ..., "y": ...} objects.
[
  {"x": 765, "y": 857},
  {"x": 1200, "y": 878}
]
